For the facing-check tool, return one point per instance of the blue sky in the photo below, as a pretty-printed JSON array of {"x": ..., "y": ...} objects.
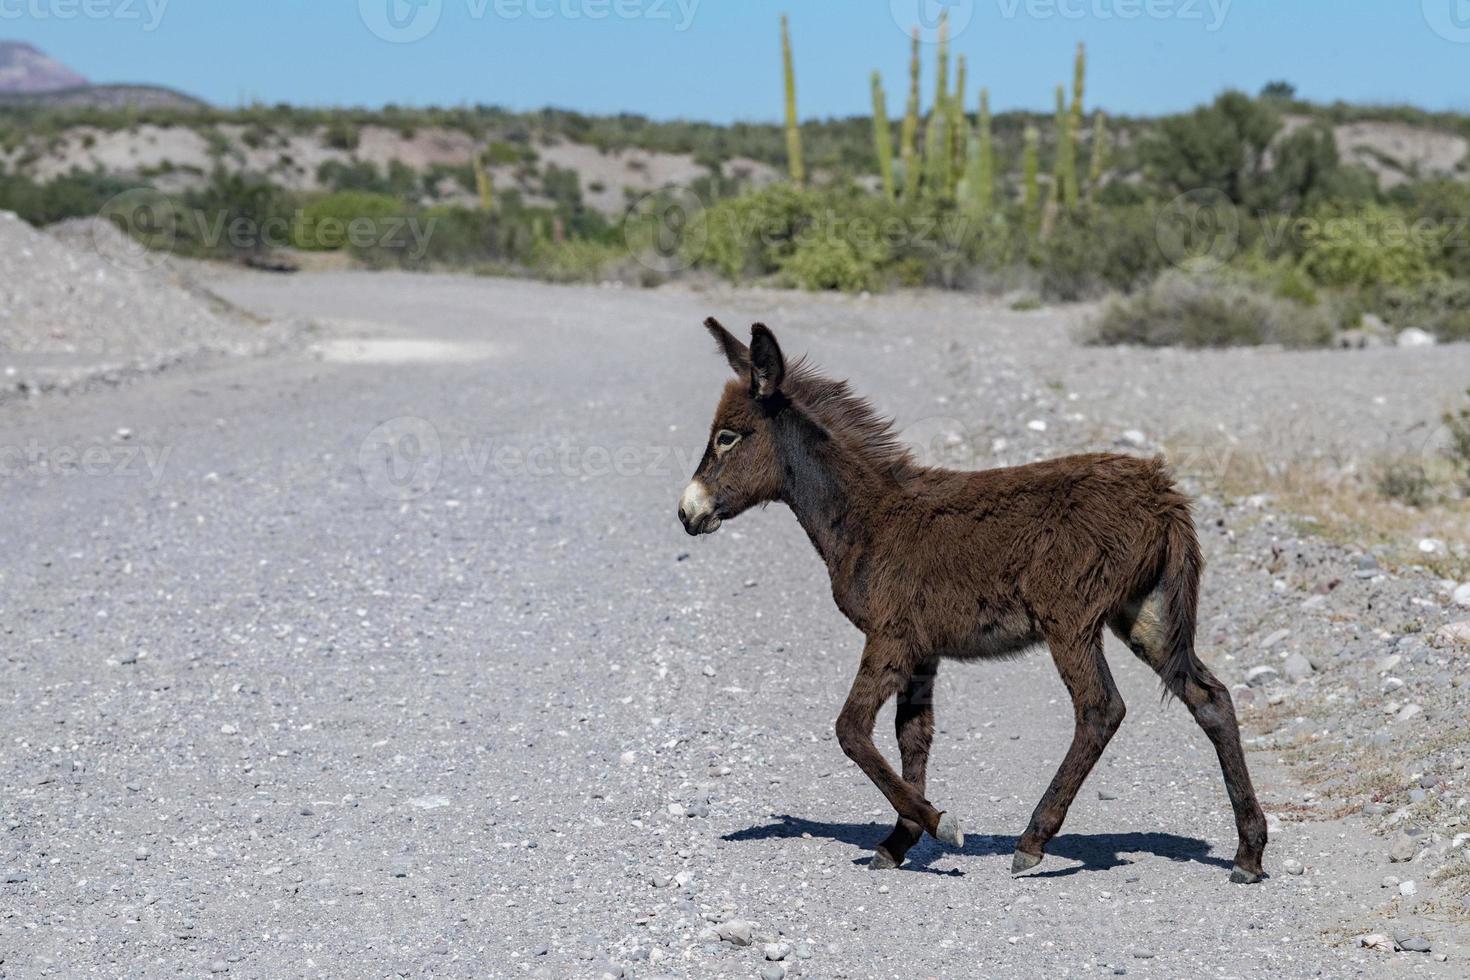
[{"x": 720, "y": 59}]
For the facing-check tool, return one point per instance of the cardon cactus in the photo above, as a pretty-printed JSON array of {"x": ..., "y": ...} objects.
[
  {"x": 793, "y": 126},
  {"x": 937, "y": 157},
  {"x": 484, "y": 184},
  {"x": 1099, "y": 152},
  {"x": 909, "y": 138},
  {"x": 980, "y": 168},
  {"x": 882, "y": 138},
  {"x": 1031, "y": 179},
  {"x": 959, "y": 136},
  {"x": 1065, "y": 189}
]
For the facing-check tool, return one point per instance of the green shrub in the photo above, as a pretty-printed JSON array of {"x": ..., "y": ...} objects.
[
  {"x": 751, "y": 236},
  {"x": 575, "y": 261},
  {"x": 1458, "y": 424},
  {"x": 835, "y": 263},
  {"x": 1221, "y": 146},
  {"x": 1445, "y": 204},
  {"x": 1094, "y": 252},
  {"x": 1208, "y": 311},
  {"x": 1440, "y": 306},
  {"x": 341, "y": 134},
  {"x": 74, "y": 195},
  {"x": 1373, "y": 247},
  {"x": 231, "y": 216},
  {"x": 345, "y": 218},
  {"x": 504, "y": 154},
  {"x": 1406, "y": 482}
]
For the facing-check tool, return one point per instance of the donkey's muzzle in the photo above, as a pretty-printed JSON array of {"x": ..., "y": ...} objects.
[{"x": 697, "y": 510}]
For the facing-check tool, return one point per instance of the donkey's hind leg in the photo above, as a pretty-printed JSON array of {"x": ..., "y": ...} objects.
[
  {"x": 914, "y": 725},
  {"x": 1143, "y": 628},
  {"x": 1098, "y": 710}
]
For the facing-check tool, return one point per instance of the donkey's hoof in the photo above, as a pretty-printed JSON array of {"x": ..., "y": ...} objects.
[
  {"x": 882, "y": 861},
  {"x": 1241, "y": 876},
  {"x": 948, "y": 831},
  {"x": 1023, "y": 862}
]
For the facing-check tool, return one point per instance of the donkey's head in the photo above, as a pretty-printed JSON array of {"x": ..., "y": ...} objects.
[{"x": 740, "y": 467}]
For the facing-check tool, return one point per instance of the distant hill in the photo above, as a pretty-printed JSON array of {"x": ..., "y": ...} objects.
[
  {"x": 24, "y": 69},
  {"x": 106, "y": 97},
  {"x": 32, "y": 78}
]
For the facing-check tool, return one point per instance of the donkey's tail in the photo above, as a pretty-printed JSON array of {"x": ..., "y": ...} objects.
[{"x": 1183, "y": 564}]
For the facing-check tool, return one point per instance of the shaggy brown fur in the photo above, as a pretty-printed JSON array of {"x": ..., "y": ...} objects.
[{"x": 934, "y": 564}]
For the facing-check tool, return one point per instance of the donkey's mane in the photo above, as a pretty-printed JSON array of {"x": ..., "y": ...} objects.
[{"x": 848, "y": 416}]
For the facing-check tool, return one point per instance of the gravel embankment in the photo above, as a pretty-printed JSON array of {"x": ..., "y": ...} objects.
[{"x": 83, "y": 304}]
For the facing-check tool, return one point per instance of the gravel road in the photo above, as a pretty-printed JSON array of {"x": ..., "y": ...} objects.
[{"x": 390, "y": 657}]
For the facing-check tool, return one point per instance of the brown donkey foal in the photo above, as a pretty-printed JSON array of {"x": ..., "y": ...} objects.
[{"x": 933, "y": 564}]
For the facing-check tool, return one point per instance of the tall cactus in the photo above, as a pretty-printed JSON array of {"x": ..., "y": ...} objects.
[
  {"x": 793, "y": 126},
  {"x": 1031, "y": 179},
  {"x": 1079, "y": 89},
  {"x": 484, "y": 185},
  {"x": 909, "y": 138},
  {"x": 980, "y": 169},
  {"x": 936, "y": 142},
  {"x": 882, "y": 137},
  {"x": 959, "y": 135},
  {"x": 1064, "y": 190},
  {"x": 1099, "y": 153}
]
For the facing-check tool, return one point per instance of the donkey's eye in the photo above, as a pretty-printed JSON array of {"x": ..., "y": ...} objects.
[{"x": 725, "y": 439}]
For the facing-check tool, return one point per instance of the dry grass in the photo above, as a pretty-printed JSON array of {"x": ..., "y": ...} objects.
[{"x": 1344, "y": 505}]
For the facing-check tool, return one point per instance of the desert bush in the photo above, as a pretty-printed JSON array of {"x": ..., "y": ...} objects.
[
  {"x": 1445, "y": 204},
  {"x": 230, "y": 217},
  {"x": 1440, "y": 306},
  {"x": 1094, "y": 252},
  {"x": 1458, "y": 424},
  {"x": 1372, "y": 247},
  {"x": 74, "y": 195},
  {"x": 1221, "y": 146},
  {"x": 574, "y": 260},
  {"x": 1185, "y": 310},
  {"x": 836, "y": 263},
  {"x": 341, "y": 134},
  {"x": 1406, "y": 482},
  {"x": 345, "y": 218},
  {"x": 753, "y": 235}
]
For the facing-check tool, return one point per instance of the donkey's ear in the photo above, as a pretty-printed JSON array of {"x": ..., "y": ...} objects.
[
  {"x": 735, "y": 352},
  {"x": 767, "y": 365}
]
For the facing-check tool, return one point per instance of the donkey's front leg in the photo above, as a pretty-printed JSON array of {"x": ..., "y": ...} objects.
[
  {"x": 913, "y": 723},
  {"x": 884, "y": 670}
]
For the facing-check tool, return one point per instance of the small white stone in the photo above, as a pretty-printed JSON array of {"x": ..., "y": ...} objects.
[{"x": 1408, "y": 889}]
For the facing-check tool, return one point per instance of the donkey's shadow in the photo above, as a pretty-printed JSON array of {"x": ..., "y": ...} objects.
[{"x": 1095, "y": 852}]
